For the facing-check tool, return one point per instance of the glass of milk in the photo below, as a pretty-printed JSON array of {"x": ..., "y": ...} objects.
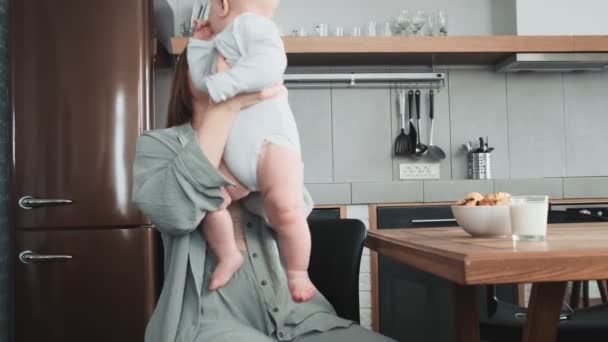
[{"x": 529, "y": 217}]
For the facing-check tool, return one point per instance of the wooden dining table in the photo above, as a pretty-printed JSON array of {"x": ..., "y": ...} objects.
[{"x": 570, "y": 252}]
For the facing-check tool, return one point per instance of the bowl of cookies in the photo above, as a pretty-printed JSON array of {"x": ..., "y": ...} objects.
[{"x": 484, "y": 216}]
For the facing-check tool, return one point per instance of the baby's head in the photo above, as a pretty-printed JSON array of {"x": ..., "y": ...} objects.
[{"x": 223, "y": 12}]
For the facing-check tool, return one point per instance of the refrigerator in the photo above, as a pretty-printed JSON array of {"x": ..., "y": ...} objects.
[{"x": 84, "y": 259}]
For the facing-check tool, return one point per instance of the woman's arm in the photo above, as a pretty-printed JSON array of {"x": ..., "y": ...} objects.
[
  {"x": 176, "y": 181},
  {"x": 214, "y": 123}
]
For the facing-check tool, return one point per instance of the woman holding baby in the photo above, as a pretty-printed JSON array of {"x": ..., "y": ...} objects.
[{"x": 181, "y": 183}]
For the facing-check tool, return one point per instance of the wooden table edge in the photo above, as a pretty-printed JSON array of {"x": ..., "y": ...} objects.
[{"x": 454, "y": 263}]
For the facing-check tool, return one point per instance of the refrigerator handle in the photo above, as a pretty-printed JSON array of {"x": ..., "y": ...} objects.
[
  {"x": 29, "y": 202},
  {"x": 28, "y": 257}
]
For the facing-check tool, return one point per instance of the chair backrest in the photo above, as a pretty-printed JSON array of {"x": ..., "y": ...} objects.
[{"x": 335, "y": 259}]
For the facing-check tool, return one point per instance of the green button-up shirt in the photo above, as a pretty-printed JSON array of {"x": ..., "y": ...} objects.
[{"x": 175, "y": 185}]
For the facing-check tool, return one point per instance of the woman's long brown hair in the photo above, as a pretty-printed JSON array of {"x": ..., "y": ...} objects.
[{"x": 180, "y": 104}]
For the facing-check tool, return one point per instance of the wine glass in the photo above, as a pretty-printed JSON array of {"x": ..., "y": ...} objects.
[
  {"x": 431, "y": 25},
  {"x": 402, "y": 23},
  {"x": 442, "y": 22},
  {"x": 419, "y": 19}
]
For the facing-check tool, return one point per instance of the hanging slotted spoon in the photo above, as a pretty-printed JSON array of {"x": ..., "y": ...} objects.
[
  {"x": 403, "y": 140},
  {"x": 421, "y": 148}
]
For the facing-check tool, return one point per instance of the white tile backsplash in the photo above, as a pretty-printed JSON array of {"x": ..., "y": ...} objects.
[
  {"x": 360, "y": 212},
  {"x": 366, "y": 318},
  {"x": 365, "y": 282},
  {"x": 365, "y": 299},
  {"x": 365, "y": 264}
]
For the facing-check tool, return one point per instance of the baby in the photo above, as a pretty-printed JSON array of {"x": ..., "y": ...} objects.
[{"x": 263, "y": 149}]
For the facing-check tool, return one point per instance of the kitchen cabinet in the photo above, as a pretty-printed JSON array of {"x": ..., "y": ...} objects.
[
  {"x": 321, "y": 214},
  {"x": 96, "y": 295},
  {"x": 414, "y": 305}
]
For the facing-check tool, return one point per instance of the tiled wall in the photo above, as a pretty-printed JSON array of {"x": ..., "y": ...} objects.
[
  {"x": 549, "y": 130},
  {"x": 4, "y": 139},
  {"x": 361, "y": 212}
]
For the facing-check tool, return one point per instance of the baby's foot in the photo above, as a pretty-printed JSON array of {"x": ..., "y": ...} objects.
[
  {"x": 224, "y": 270},
  {"x": 302, "y": 289}
]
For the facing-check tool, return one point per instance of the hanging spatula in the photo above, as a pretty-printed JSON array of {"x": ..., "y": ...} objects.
[{"x": 403, "y": 140}]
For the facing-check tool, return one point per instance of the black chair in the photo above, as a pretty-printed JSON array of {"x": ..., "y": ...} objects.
[
  {"x": 505, "y": 320},
  {"x": 337, "y": 246}
]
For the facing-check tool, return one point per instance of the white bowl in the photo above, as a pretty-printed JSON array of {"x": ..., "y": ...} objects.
[{"x": 484, "y": 221}]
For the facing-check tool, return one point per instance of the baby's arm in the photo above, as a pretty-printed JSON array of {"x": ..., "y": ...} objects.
[
  {"x": 263, "y": 60},
  {"x": 201, "y": 54}
]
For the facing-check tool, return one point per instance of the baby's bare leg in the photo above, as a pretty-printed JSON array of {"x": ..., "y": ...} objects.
[
  {"x": 281, "y": 182},
  {"x": 219, "y": 233}
]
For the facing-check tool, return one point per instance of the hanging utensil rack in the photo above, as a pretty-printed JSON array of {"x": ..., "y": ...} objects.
[{"x": 366, "y": 80}]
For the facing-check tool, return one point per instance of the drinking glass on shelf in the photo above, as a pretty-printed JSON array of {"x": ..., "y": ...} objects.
[
  {"x": 419, "y": 19},
  {"x": 356, "y": 32},
  {"x": 431, "y": 25},
  {"x": 387, "y": 29},
  {"x": 442, "y": 22},
  {"x": 371, "y": 29},
  {"x": 321, "y": 30},
  {"x": 339, "y": 31},
  {"x": 402, "y": 23},
  {"x": 300, "y": 32}
]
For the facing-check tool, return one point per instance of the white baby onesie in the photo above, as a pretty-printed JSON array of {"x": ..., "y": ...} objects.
[{"x": 252, "y": 45}]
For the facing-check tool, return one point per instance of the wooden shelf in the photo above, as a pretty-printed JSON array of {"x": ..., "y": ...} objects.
[{"x": 453, "y": 50}]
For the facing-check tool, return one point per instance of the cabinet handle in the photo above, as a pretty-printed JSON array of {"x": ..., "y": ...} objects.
[
  {"x": 28, "y": 257},
  {"x": 29, "y": 202},
  {"x": 434, "y": 221}
]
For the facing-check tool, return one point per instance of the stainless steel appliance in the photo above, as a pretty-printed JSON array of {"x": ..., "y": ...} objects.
[
  {"x": 599, "y": 210},
  {"x": 84, "y": 256}
]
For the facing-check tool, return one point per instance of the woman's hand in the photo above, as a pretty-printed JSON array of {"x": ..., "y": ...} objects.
[{"x": 213, "y": 121}]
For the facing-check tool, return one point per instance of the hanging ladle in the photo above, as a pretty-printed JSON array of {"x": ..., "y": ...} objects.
[{"x": 421, "y": 149}]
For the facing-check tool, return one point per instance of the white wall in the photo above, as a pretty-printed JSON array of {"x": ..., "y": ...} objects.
[
  {"x": 562, "y": 17},
  {"x": 467, "y": 17}
]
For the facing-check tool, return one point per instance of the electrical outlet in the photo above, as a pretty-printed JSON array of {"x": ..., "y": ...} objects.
[{"x": 419, "y": 171}]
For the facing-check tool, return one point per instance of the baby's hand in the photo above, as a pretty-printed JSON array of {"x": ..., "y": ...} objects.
[
  {"x": 203, "y": 30},
  {"x": 222, "y": 65}
]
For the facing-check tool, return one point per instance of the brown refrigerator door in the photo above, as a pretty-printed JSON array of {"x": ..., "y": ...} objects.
[
  {"x": 80, "y": 80},
  {"x": 90, "y": 286}
]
